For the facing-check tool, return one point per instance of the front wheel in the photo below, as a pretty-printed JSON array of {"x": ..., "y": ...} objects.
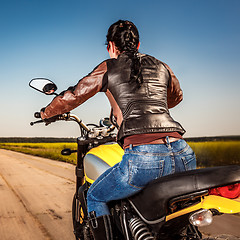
[{"x": 81, "y": 228}]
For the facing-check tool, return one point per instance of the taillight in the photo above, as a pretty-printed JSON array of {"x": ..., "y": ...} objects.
[{"x": 230, "y": 191}]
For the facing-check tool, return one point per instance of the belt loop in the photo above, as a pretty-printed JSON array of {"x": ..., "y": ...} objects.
[
  {"x": 130, "y": 147},
  {"x": 167, "y": 142}
]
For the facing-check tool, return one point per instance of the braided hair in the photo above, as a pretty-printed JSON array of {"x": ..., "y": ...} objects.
[{"x": 125, "y": 36}]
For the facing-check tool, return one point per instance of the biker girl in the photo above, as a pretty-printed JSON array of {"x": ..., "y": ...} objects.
[{"x": 140, "y": 89}]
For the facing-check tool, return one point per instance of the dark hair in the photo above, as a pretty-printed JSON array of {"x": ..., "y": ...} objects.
[{"x": 125, "y": 36}]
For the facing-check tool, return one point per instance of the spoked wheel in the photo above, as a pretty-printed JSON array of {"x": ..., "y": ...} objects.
[{"x": 80, "y": 223}]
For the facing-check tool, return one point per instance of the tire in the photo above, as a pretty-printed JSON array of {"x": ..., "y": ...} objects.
[{"x": 81, "y": 229}]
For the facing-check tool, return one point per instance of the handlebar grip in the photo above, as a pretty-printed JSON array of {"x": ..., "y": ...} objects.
[
  {"x": 37, "y": 115},
  {"x": 39, "y": 121}
]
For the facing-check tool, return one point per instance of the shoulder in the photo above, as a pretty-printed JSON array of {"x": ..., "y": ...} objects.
[
  {"x": 103, "y": 67},
  {"x": 151, "y": 60}
]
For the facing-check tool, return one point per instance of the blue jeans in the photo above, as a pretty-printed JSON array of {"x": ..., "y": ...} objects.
[{"x": 139, "y": 166}]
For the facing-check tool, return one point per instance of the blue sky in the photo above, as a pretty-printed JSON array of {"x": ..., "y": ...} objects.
[{"x": 64, "y": 41}]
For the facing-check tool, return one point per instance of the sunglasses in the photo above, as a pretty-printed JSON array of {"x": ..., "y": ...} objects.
[{"x": 108, "y": 47}]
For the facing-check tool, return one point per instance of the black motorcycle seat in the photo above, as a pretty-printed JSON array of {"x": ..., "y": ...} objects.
[{"x": 152, "y": 201}]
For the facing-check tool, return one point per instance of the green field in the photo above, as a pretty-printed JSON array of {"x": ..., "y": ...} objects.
[
  {"x": 47, "y": 150},
  {"x": 211, "y": 153},
  {"x": 218, "y": 153}
]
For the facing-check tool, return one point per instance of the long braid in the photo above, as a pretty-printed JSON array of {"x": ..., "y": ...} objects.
[{"x": 126, "y": 38}]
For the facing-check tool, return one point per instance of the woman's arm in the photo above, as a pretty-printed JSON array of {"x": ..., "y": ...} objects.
[
  {"x": 74, "y": 96},
  {"x": 174, "y": 92}
]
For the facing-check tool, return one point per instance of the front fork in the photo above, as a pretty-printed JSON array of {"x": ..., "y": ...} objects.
[
  {"x": 82, "y": 150},
  {"x": 80, "y": 213},
  {"x": 79, "y": 204}
]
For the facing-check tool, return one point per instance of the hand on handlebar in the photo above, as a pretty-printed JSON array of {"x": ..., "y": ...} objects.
[
  {"x": 97, "y": 131},
  {"x": 47, "y": 121}
]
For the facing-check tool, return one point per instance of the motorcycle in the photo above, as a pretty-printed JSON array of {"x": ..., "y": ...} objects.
[{"x": 171, "y": 207}]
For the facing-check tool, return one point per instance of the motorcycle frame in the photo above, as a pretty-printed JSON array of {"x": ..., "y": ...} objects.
[{"x": 84, "y": 145}]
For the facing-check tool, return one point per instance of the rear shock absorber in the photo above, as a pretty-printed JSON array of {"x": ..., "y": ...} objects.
[{"x": 139, "y": 229}]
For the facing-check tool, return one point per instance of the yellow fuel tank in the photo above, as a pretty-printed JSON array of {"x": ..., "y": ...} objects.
[{"x": 100, "y": 158}]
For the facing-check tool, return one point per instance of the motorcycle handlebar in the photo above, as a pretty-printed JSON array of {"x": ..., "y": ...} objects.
[
  {"x": 39, "y": 121},
  {"x": 66, "y": 117},
  {"x": 49, "y": 120}
]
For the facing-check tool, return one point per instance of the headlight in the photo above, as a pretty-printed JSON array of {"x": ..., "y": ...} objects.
[{"x": 201, "y": 218}]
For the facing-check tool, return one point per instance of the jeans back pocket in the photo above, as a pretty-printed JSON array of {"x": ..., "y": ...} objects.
[
  {"x": 189, "y": 161},
  {"x": 143, "y": 169}
]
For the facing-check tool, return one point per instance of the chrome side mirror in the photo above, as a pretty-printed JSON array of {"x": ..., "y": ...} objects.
[{"x": 43, "y": 85}]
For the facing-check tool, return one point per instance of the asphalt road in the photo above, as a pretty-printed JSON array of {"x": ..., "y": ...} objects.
[
  {"x": 224, "y": 226},
  {"x": 36, "y": 197}
]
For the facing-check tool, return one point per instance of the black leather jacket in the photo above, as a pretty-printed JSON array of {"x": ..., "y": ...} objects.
[{"x": 137, "y": 110}]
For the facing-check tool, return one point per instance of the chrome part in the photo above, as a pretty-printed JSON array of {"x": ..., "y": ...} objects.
[
  {"x": 94, "y": 166},
  {"x": 105, "y": 122},
  {"x": 139, "y": 229},
  {"x": 201, "y": 218},
  {"x": 78, "y": 120},
  {"x": 99, "y": 132},
  {"x": 125, "y": 223}
]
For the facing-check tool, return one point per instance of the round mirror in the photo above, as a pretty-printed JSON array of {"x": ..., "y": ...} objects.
[
  {"x": 43, "y": 85},
  {"x": 105, "y": 122}
]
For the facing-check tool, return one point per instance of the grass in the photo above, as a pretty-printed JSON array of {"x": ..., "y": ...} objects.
[
  {"x": 217, "y": 153},
  {"x": 47, "y": 150}
]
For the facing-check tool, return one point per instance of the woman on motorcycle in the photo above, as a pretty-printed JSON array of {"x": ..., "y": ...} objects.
[{"x": 141, "y": 89}]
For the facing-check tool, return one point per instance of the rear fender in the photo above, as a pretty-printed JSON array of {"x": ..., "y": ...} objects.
[{"x": 221, "y": 204}]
